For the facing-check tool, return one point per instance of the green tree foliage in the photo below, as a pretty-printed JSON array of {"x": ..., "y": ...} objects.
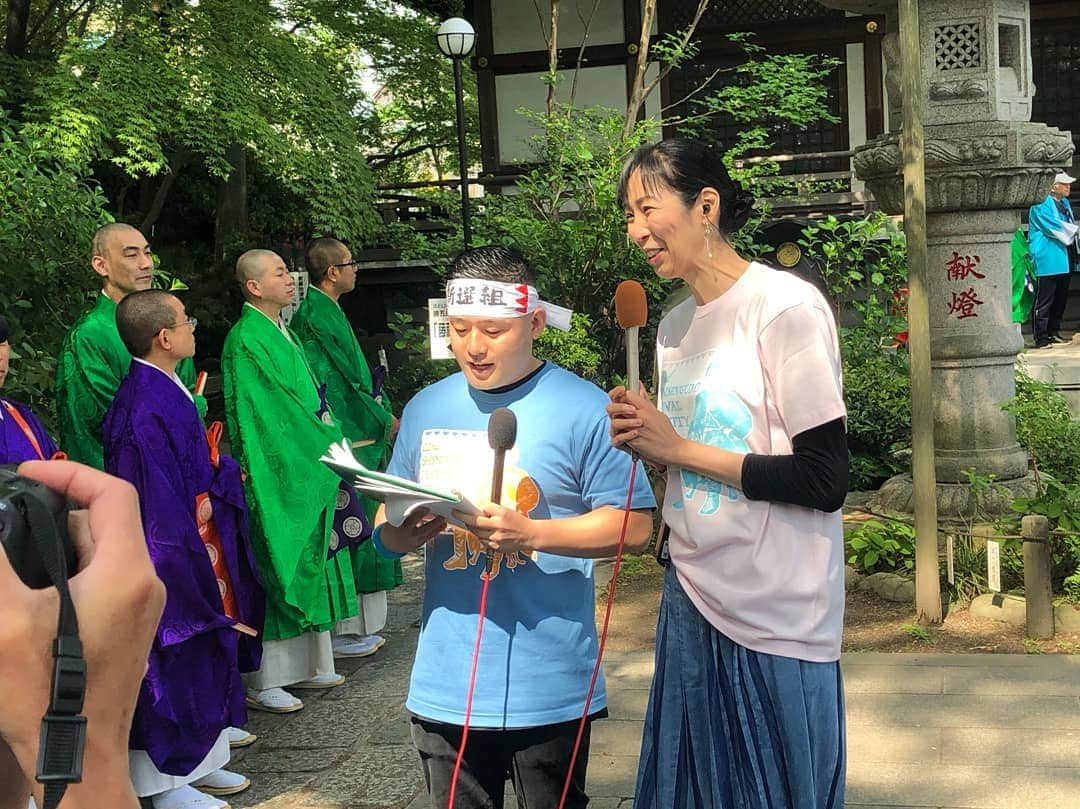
[
  {"x": 762, "y": 93},
  {"x": 156, "y": 87},
  {"x": 50, "y": 211},
  {"x": 563, "y": 214},
  {"x": 414, "y": 106}
]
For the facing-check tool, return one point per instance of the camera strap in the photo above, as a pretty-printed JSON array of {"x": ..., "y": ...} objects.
[{"x": 63, "y": 728}]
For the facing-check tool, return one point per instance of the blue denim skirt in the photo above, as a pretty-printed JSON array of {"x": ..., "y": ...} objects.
[{"x": 729, "y": 728}]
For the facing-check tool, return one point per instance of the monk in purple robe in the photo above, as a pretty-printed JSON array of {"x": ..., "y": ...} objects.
[
  {"x": 22, "y": 436},
  {"x": 193, "y": 513}
]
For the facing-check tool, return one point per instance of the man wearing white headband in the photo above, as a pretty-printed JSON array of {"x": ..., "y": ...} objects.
[{"x": 563, "y": 491}]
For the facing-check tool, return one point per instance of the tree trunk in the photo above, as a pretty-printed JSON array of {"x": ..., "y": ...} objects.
[
  {"x": 162, "y": 193},
  {"x": 18, "y": 20},
  {"x": 553, "y": 56},
  {"x": 232, "y": 210},
  {"x": 637, "y": 89}
]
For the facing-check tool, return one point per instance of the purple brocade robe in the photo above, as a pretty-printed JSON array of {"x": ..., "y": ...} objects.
[
  {"x": 153, "y": 438},
  {"x": 15, "y": 444},
  {"x": 351, "y": 526}
]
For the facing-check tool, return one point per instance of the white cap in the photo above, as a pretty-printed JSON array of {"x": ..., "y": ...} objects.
[{"x": 1062, "y": 177}]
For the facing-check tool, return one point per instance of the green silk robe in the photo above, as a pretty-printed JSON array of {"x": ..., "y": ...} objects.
[
  {"x": 337, "y": 360},
  {"x": 271, "y": 413},
  {"x": 92, "y": 363}
]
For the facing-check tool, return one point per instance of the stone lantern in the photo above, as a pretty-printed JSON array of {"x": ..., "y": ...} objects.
[{"x": 985, "y": 163}]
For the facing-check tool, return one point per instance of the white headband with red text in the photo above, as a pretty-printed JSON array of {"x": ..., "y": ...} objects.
[{"x": 475, "y": 297}]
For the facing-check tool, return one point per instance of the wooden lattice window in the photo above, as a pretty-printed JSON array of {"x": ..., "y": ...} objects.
[
  {"x": 1055, "y": 51},
  {"x": 821, "y": 136},
  {"x": 740, "y": 15}
]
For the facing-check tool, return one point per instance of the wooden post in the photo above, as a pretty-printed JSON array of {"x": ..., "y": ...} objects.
[
  {"x": 927, "y": 573},
  {"x": 1038, "y": 595}
]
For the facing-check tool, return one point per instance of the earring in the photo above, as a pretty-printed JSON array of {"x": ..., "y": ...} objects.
[
  {"x": 628, "y": 245},
  {"x": 708, "y": 241}
]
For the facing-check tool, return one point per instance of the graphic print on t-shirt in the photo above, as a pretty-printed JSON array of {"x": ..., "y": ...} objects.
[
  {"x": 704, "y": 409},
  {"x": 461, "y": 460}
]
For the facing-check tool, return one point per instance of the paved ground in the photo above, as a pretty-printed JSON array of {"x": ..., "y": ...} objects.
[
  {"x": 946, "y": 731},
  {"x": 1059, "y": 364}
]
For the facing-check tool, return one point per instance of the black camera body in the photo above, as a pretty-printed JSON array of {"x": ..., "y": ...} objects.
[{"x": 15, "y": 532}]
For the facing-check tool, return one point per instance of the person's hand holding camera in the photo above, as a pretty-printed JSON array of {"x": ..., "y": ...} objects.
[{"x": 118, "y": 599}]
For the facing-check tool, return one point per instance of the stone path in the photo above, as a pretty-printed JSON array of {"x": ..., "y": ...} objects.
[
  {"x": 1060, "y": 365},
  {"x": 945, "y": 731}
]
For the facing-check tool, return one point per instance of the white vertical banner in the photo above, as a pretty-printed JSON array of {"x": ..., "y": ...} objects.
[
  {"x": 439, "y": 329},
  {"x": 300, "y": 283},
  {"x": 993, "y": 565},
  {"x": 950, "y": 557}
]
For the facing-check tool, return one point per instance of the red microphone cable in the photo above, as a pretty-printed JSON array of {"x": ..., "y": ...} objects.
[
  {"x": 603, "y": 633},
  {"x": 502, "y": 434},
  {"x": 596, "y": 668},
  {"x": 472, "y": 682}
]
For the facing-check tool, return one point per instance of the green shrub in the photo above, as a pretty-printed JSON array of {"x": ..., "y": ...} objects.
[
  {"x": 876, "y": 547},
  {"x": 863, "y": 263},
  {"x": 1046, "y": 428},
  {"x": 414, "y": 370}
]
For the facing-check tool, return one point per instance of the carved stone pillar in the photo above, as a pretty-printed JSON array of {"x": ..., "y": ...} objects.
[{"x": 985, "y": 163}]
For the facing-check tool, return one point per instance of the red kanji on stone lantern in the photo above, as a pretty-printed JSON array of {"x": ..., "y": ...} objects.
[
  {"x": 960, "y": 267},
  {"x": 963, "y": 304}
]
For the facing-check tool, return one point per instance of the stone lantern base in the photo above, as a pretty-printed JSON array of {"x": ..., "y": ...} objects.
[{"x": 954, "y": 500}]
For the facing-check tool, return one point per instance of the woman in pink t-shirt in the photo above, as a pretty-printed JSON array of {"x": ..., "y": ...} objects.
[{"x": 746, "y": 709}]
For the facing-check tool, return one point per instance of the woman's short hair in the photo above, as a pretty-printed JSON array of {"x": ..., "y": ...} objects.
[{"x": 686, "y": 167}]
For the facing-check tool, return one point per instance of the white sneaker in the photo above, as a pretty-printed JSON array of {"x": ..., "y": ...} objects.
[
  {"x": 222, "y": 782},
  {"x": 273, "y": 700},
  {"x": 238, "y": 737},
  {"x": 346, "y": 646},
  {"x": 186, "y": 797},
  {"x": 328, "y": 680}
]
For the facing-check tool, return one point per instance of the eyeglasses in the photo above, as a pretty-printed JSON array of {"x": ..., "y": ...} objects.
[
  {"x": 355, "y": 262},
  {"x": 191, "y": 321}
]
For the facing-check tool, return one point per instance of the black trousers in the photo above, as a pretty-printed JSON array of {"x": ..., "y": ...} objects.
[
  {"x": 535, "y": 760},
  {"x": 1051, "y": 295}
]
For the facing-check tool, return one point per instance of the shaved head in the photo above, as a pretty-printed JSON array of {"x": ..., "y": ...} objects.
[
  {"x": 108, "y": 234},
  {"x": 252, "y": 266},
  {"x": 123, "y": 259},
  {"x": 141, "y": 315},
  {"x": 264, "y": 278},
  {"x": 321, "y": 253}
]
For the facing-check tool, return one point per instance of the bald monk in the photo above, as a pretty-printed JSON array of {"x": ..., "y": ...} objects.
[
  {"x": 278, "y": 425},
  {"x": 93, "y": 360},
  {"x": 191, "y": 703},
  {"x": 365, "y": 415}
]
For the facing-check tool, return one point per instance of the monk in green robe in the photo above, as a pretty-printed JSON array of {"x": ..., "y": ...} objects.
[
  {"x": 366, "y": 420},
  {"x": 279, "y": 427},
  {"x": 93, "y": 361}
]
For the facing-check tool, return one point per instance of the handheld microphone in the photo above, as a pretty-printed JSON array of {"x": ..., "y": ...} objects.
[
  {"x": 502, "y": 433},
  {"x": 632, "y": 312}
]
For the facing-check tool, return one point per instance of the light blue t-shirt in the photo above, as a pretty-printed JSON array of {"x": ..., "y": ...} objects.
[{"x": 539, "y": 643}]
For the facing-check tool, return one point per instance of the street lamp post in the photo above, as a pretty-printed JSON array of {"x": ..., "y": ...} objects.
[{"x": 456, "y": 38}]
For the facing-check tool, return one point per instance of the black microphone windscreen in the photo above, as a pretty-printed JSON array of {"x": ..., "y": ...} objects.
[{"x": 502, "y": 429}]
